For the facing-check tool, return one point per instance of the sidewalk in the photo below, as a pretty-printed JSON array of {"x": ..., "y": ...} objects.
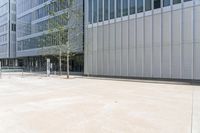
[{"x": 38, "y": 104}]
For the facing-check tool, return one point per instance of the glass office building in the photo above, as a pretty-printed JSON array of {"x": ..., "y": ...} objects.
[
  {"x": 8, "y": 32},
  {"x": 142, "y": 38},
  {"x": 32, "y": 27}
]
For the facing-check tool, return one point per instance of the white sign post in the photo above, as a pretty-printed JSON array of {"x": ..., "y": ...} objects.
[{"x": 48, "y": 67}]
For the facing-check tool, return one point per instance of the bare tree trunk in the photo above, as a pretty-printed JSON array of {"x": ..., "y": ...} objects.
[
  {"x": 60, "y": 62},
  {"x": 67, "y": 65}
]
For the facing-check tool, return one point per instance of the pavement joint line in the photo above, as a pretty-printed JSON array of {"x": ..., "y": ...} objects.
[
  {"x": 195, "y": 123},
  {"x": 192, "y": 113},
  {"x": 142, "y": 108}
]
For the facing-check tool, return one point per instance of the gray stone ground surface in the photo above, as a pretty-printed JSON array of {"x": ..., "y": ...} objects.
[{"x": 37, "y": 104}]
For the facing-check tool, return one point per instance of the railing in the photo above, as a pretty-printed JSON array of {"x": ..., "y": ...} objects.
[{"x": 8, "y": 70}]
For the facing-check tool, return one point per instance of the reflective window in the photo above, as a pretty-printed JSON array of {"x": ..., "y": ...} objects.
[
  {"x": 105, "y": 9},
  {"x": 3, "y": 28},
  {"x": 13, "y": 27},
  {"x": 118, "y": 8},
  {"x": 94, "y": 11},
  {"x": 90, "y": 11},
  {"x": 139, "y": 6},
  {"x": 147, "y": 5},
  {"x": 100, "y": 10},
  {"x": 176, "y": 1},
  {"x": 166, "y": 3},
  {"x": 132, "y": 6},
  {"x": 125, "y": 7},
  {"x": 112, "y": 9},
  {"x": 156, "y": 4},
  {"x": 187, "y": 0}
]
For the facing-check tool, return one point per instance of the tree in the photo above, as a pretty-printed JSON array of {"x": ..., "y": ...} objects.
[{"x": 65, "y": 29}]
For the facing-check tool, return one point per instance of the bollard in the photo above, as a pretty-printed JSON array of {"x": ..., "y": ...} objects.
[
  {"x": 48, "y": 67},
  {"x": 22, "y": 73}
]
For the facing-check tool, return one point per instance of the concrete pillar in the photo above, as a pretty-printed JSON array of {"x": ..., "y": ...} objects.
[{"x": 16, "y": 62}]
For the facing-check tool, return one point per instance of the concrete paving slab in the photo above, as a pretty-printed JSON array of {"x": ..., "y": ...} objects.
[{"x": 55, "y": 105}]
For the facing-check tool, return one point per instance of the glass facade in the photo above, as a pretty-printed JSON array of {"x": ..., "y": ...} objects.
[
  {"x": 100, "y": 10},
  {"x": 166, "y": 3},
  {"x": 7, "y": 28},
  {"x": 105, "y": 9},
  {"x": 148, "y": 5},
  {"x": 112, "y": 9},
  {"x": 119, "y": 8},
  {"x": 157, "y": 4},
  {"x": 34, "y": 23},
  {"x": 90, "y": 11},
  {"x": 4, "y": 15},
  {"x": 139, "y": 6},
  {"x": 28, "y": 4},
  {"x": 176, "y": 1},
  {"x": 125, "y": 7},
  {"x": 94, "y": 11},
  {"x": 132, "y": 6}
]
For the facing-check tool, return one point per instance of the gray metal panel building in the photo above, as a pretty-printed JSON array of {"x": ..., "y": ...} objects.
[{"x": 143, "y": 38}]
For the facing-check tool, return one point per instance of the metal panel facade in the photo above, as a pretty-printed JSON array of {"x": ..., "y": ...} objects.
[{"x": 161, "y": 43}]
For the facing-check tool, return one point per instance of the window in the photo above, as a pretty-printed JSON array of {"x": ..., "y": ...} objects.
[
  {"x": 176, "y": 1},
  {"x": 112, "y": 9},
  {"x": 166, "y": 3},
  {"x": 13, "y": 27},
  {"x": 100, "y": 10},
  {"x": 147, "y": 5},
  {"x": 3, "y": 28},
  {"x": 119, "y": 8},
  {"x": 90, "y": 11},
  {"x": 156, "y": 4},
  {"x": 132, "y": 6},
  {"x": 105, "y": 9},
  {"x": 187, "y": 0},
  {"x": 125, "y": 7},
  {"x": 139, "y": 6},
  {"x": 94, "y": 11}
]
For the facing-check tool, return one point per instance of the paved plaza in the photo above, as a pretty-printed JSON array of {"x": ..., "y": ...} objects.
[{"x": 36, "y": 104}]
